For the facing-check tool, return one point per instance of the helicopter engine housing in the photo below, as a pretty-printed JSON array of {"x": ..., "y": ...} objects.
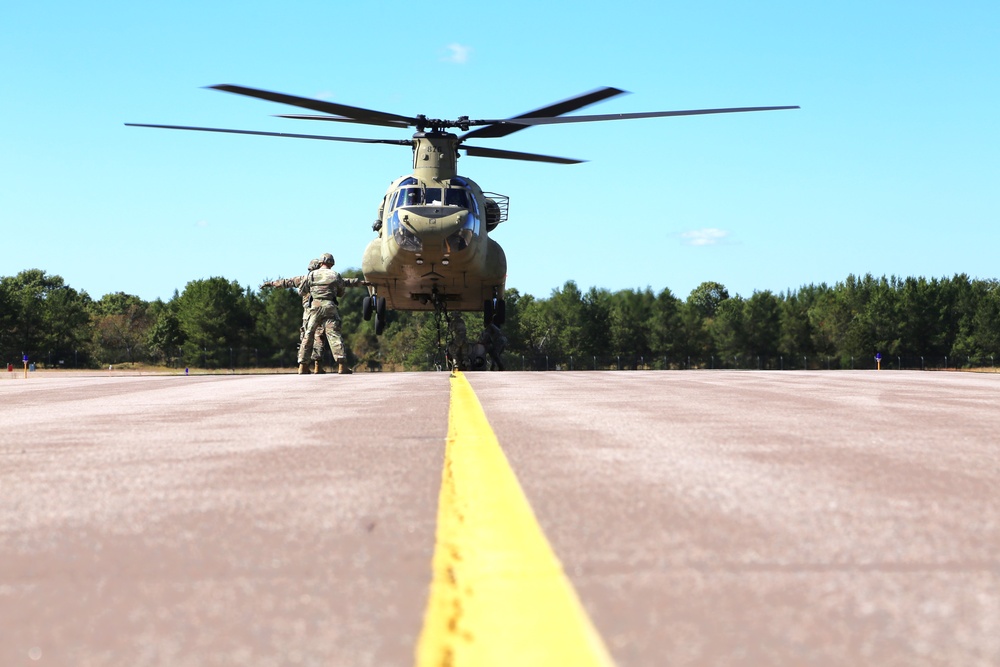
[{"x": 496, "y": 209}]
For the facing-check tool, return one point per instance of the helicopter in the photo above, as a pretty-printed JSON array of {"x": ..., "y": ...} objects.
[{"x": 432, "y": 250}]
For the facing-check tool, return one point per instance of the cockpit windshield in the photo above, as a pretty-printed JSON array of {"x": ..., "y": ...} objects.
[
  {"x": 416, "y": 196},
  {"x": 458, "y": 196}
]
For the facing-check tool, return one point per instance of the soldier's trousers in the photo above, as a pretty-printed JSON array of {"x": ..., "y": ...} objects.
[
  {"x": 317, "y": 349},
  {"x": 322, "y": 314}
]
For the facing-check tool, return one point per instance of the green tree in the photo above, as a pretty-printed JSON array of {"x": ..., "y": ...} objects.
[
  {"x": 121, "y": 327},
  {"x": 514, "y": 304},
  {"x": 859, "y": 319},
  {"x": 421, "y": 342},
  {"x": 986, "y": 321},
  {"x": 797, "y": 336},
  {"x": 631, "y": 314},
  {"x": 164, "y": 337},
  {"x": 277, "y": 326},
  {"x": 706, "y": 297},
  {"x": 47, "y": 319},
  {"x": 524, "y": 328},
  {"x": 961, "y": 297},
  {"x": 825, "y": 315},
  {"x": 214, "y": 318},
  {"x": 564, "y": 323},
  {"x": 597, "y": 328},
  {"x": 728, "y": 331},
  {"x": 697, "y": 315},
  {"x": 919, "y": 317},
  {"x": 10, "y": 314},
  {"x": 762, "y": 327},
  {"x": 666, "y": 332}
]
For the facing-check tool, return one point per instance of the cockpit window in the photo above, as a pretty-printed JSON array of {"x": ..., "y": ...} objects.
[
  {"x": 433, "y": 196},
  {"x": 456, "y": 197},
  {"x": 408, "y": 197}
]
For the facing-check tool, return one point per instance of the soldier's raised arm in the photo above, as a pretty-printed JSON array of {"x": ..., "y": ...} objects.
[
  {"x": 305, "y": 284},
  {"x": 285, "y": 282}
]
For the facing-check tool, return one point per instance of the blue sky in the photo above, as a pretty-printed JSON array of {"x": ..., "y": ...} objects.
[{"x": 892, "y": 165}]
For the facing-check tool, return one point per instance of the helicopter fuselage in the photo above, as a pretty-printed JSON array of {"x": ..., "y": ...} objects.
[{"x": 433, "y": 248}]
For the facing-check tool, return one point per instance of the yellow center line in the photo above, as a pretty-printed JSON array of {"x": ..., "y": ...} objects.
[{"x": 498, "y": 594}]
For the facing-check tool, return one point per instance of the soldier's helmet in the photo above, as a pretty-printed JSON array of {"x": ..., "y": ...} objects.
[
  {"x": 326, "y": 258},
  {"x": 313, "y": 265}
]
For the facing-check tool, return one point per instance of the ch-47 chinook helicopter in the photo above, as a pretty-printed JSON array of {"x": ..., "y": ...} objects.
[{"x": 433, "y": 250}]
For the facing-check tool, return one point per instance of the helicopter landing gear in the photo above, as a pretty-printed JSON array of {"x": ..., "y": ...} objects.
[{"x": 374, "y": 304}]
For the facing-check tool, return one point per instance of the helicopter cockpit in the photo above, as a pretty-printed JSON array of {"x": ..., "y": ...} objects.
[{"x": 458, "y": 196}]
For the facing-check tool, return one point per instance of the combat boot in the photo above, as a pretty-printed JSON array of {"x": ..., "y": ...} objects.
[
  {"x": 318, "y": 367},
  {"x": 303, "y": 368},
  {"x": 343, "y": 368}
]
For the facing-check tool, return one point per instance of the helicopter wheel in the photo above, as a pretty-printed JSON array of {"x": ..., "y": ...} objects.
[
  {"x": 379, "y": 327},
  {"x": 488, "y": 312},
  {"x": 380, "y": 308},
  {"x": 366, "y": 308}
]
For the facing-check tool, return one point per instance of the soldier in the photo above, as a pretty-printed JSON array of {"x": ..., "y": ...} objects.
[
  {"x": 494, "y": 341},
  {"x": 323, "y": 286},
  {"x": 317, "y": 350},
  {"x": 459, "y": 344}
]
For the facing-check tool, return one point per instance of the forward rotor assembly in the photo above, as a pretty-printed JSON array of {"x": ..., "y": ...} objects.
[{"x": 486, "y": 128}]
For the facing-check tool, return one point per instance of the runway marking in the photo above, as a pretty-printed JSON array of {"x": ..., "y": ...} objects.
[{"x": 498, "y": 594}]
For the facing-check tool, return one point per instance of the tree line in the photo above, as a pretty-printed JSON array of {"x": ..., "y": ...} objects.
[{"x": 215, "y": 323}]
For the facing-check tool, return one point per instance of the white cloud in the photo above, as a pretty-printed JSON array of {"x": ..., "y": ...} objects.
[
  {"x": 201, "y": 224},
  {"x": 458, "y": 54},
  {"x": 707, "y": 236}
]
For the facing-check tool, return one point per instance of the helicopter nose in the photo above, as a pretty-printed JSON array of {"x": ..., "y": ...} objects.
[{"x": 433, "y": 224}]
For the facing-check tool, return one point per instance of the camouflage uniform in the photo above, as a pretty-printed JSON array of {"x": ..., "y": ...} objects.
[
  {"x": 458, "y": 345},
  {"x": 317, "y": 349},
  {"x": 494, "y": 341},
  {"x": 322, "y": 287}
]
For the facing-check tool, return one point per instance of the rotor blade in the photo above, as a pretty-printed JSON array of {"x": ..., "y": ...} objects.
[
  {"x": 357, "y": 113},
  {"x": 398, "y": 142},
  {"x": 513, "y": 155},
  {"x": 627, "y": 116},
  {"x": 502, "y": 129},
  {"x": 337, "y": 119}
]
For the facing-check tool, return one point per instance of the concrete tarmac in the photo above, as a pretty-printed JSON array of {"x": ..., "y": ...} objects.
[{"x": 703, "y": 517}]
